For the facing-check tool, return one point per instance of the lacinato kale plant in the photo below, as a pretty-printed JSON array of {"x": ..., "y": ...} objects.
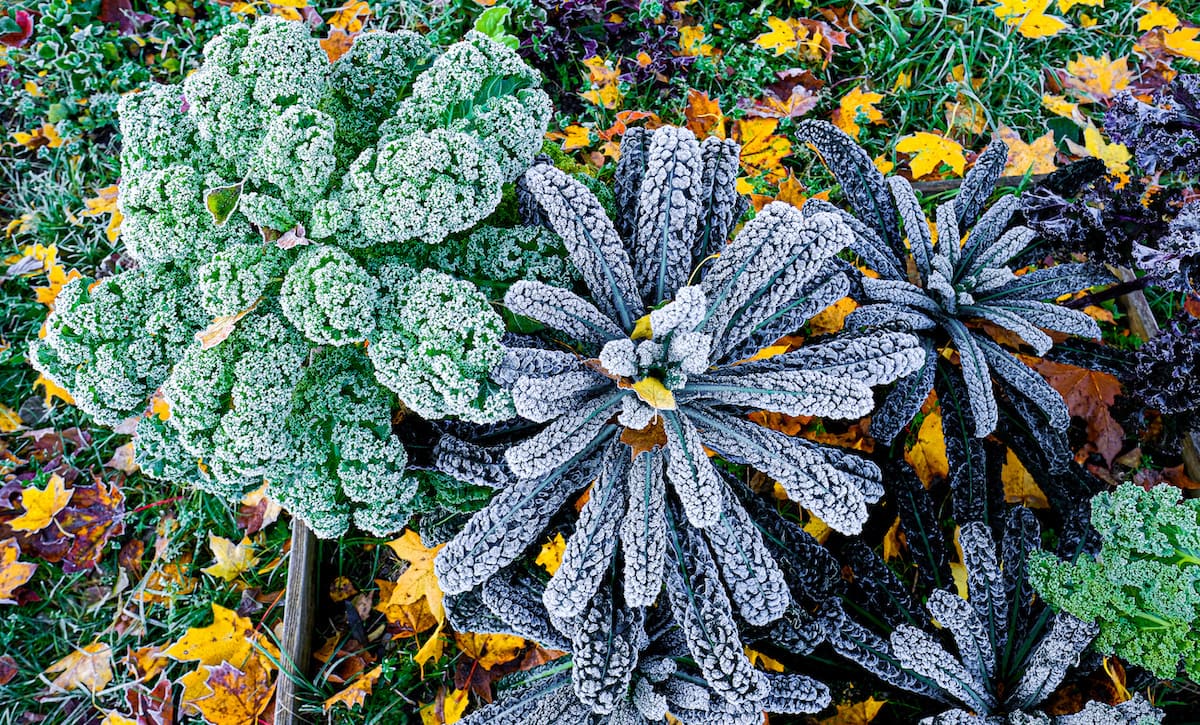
[
  {"x": 653, "y": 369},
  {"x": 1143, "y": 587},
  {"x": 1009, "y": 652},
  {"x": 274, "y": 315},
  {"x": 648, "y": 674},
  {"x": 951, "y": 280}
]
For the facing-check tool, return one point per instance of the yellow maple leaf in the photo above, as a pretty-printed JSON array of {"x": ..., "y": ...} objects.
[
  {"x": 928, "y": 454},
  {"x": 892, "y": 542},
  {"x": 9, "y": 420},
  {"x": 46, "y": 135},
  {"x": 1114, "y": 155},
  {"x": 929, "y": 151},
  {"x": 230, "y": 638},
  {"x": 1019, "y": 486},
  {"x": 225, "y": 694},
  {"x": 785, "y": 35},
  {"x": 966, "y": 115},
  {"x": 105, "y": 202},
  {"x": 762, "y": 151},
  {"x": 1029, "y": 18},
  {"x": 89, "y": 668},
  {"x": 13, "y": 572},
  {"x": 447, "y": 709},
  {"x": 1036, "y": 157},
  {"x": 691, "y": 41},
  {"x": 551, "y": 554},
  {"x": 350, "y": 16},
  {"x": 575, "y": 137},
  {"x": 652, "y": 392},
  {"x": 489, "y": 650},
  {"x": 1183, "y": 43},
  {"x": 855, "y": 106},
  {"x": 604, "y": 78},
  {"x": 1098, "y": 79},
  {"x": 57, "y": 278},
  {"x": 355, "y": 694},
  {"x": 42, "y": 505},
  {"x": 418, "y": 580},
  {"x": 231, "y": 560},
  {"x": 52, "y": 390},
  {"x": 832, "y": 318},
  {"x": 1157, "y": 16},
  {"x": 1065, "y": 5},
  {"x": 1060, "y": 106}
]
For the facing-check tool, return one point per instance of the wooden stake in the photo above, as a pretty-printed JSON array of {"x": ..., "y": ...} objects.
[{"x": 298, "y": 610}]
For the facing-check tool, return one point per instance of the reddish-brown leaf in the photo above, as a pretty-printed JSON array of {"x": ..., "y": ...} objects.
[{"x": 1088, "y": 394}]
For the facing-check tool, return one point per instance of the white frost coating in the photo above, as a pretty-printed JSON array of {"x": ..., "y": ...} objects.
[{"x": 562, "y": 310}]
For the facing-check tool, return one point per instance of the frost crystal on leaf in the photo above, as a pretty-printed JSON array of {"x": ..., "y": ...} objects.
[{"x": 961, "y": 276}]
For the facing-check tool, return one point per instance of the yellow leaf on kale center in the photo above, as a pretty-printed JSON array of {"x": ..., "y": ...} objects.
[
  {"x": 652, "y": 392},
  {"x": 42, "y": 505},
  {"x": 551, "y": 554},
  {"x": 1019, "y": 486},
  {"x": 89, "y": 668}
]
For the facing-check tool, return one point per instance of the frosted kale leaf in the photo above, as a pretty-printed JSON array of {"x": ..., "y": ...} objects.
[
  {"x": 1141, "y": 588},
  {"x": 652, "y": 377},
  {"x": 961, "y": 278},
  {"x": 1167, "y": 368},
  {"x": 622, "y": 665},
  {"x": 1164, "y": 136},
  {"x": 1008, "y": 654}
]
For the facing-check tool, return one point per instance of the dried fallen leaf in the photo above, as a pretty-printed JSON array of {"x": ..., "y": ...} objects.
[
  {"x": 1032, "y": 158},
  {"x": 857, "y": 106},
  {"x": 89, "y": 668},
  {"x": 1098, "y": 79},
  {"x": 929, "y": 151},
  {"x": 418, "y": 580},
  {"x": 221, "y": 328},
  {"x": 123, "y": 459},
  {"x": 762, "y": 150},
  {"x": 551, "y": 554},
  {"x": 10, "y": 422},
  {"x": 13, "y": 573},
  {"x": 447, "y": 709},
  {"x": 52, "y": 390},
  {"x": 928, "y": 454},
  {"x": 230, "y": 638},
  {"x": 355, "y": 694},
  {"x": 1183, "y": 42},
  {"x": 1114, "y": 155},
  {"x": 489, "y": 650},
  {"x": 1088, "y": 394},
  {"x": 226, "y": 695},
  {"x": 855, "y": 713},
  {"x": 704, "y": 116},
  {"x": 41, "y": 505},
  {"x": 231, "y": 560},
  {"x": 1019, "y": 486}
]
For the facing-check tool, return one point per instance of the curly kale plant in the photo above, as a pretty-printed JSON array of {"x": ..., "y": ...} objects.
[
  {"x": 956, "y": 284},
  {"x": 1009, "y": 655},
  {"x": 1164, "y": 136},
  {"x": 268, "y": 207},
  {"x": 650, "y": 382},
  {"x": 1143, "y": 588}
]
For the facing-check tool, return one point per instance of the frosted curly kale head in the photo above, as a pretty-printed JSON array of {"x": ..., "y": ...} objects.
[
  {"x": 962, "y": 278},
  {"x": 1164, "y": 136},
  {"x": 1143, "y": 588},
  {"x": 240, "y": 190},
  {"x": 1009, "y": 654},
  {"x": 623, "y": 666},
  {"x": 652, "y": 366},
  {"x": 437, "y": 340}
]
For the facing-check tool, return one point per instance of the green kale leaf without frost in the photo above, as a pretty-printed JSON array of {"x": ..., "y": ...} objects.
[{"x": 281, "y": 210}]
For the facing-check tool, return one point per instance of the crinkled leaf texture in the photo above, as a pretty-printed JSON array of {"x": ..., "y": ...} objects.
[
  {"x": 961, "y": 276},
  {"x": 652, "y": 386}
]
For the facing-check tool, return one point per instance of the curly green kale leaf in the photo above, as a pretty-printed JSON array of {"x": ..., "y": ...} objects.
[
  {"x": 1143, "y": 588},
  {"x": 437, "y": 340}
]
